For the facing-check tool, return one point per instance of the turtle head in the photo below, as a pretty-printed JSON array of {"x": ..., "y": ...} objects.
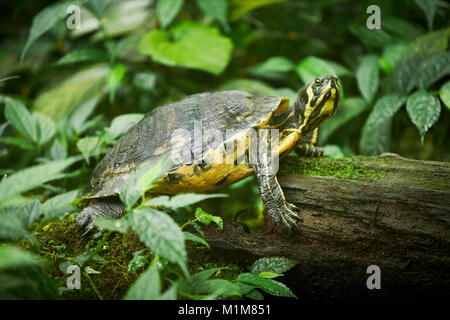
[{"x": 317, "y": 102}]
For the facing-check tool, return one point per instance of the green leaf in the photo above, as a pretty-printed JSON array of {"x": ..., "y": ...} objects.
[
  {"x": 272, "y": 264},
  {"x": 59, "y": 204},
  {"x": 82, "y": 55},
  {"x": 90, "y": 270},
  {"x": 332, "y": 151},
  {"x": 423, "y": 109},
  {"x": 137, "y": 262},
  {"x": 376, "y": 38},
  {"x": 11, "y": 226},
  {"x": 20, "y": 118},
  {"x": 216, "y": 9},
  {"x": 206, "y": 218},
  {"x": 88, "y": 146},
  {"x": 429, "y": 8},
  {"x": 268, "y": 285},
  {"x": 403, "y": 28},
  {"x": 239, "y": 8},
  {"x": 161, "y": 234},
  {"x": 445, "y": 94},
  {"x": 115, "y": 48},
  {"x": 108, "y": 223},
  {"x": 29, "y": 212},
  {"x": 368, "y": 77},
  {"x": 114, "y": 78},
  {"x": 189, "y": 45},
  {"x": 182, "y": 200},
  {"x": 32, "y": 177},
  {"x": 269, "y": 275},
  {"x": 375, "y": 138},
  {"x": 72, "y": 92},
  {"x": 147, "y": 286},
  {"x": 45, "y": 127},
  {"x": 348, "y": 109},
  {"x": 18, "y": 142},
  {"x": 433, "y": 69},
  {"x": 192, "y": 237},
  {"x": 273, "y": 68},
  {"x": 391, "y": 56},
  {"x": 122, "y": 124},
  {"x": 58, "y": 151},
  {"x": 44, "y": 21},
  {"x": 167, "y": 10},
  {"x": 78, "y": 117},
  {"x": 13, "y": 257},
  {"x": 312, "y": 67}
]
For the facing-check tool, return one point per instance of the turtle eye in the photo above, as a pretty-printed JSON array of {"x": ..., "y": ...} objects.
[{"x": 318, "y": 82}]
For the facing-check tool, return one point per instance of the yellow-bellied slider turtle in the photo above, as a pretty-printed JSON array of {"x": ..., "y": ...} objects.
[{"x": 231, "y": 111}]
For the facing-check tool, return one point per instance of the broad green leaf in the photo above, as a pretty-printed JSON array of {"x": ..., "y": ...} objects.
[
  {"x": 423, "y": 109},
  {"x": 122, "y": 124},
  {"x": 312, "y": 67},
  {"x": 20, "y": 118},
  {"x": 403, "y": 28},
  {"x": 115, "y": 48},
  {"x": 58, "y": 150},
  {"x": 192, "y": 237},
  {"x": 182, "y": 200},
  {"x": 239, "y": 8},
  {"x": 45, "y": 127},
  {"x": 404, "y": 77},
  {"x": 18, "y": 142},
  {"x": 149, "y": 175},
  {"x": 29, "y": 212},
  {"x": 189, "y": 45},
  {"x": 269, "y": 274},
  {"x": 99, "y": 6},
  {"x": 147, "y": 286},
  {"x": 88, "y": 146},
  {"x": 13, "y": 257},
  {"x": 83, "y": 55},
  {"x": 114, "y": 78},
  {"x": 32, "y": 177},
  {"x": 348, "y": 109},
  {"x": 11, "y": 226},
  {"x": 332, "y": 151},
  {"x": 274, "y": 67},
  {"x": 368, "y": 77},
  {"x": 45, "y": 20},
  {"x": 60, "y": 204},
  {"x": 372, "y": 38},
  {"x": 268, "y": 285},
  {"x": 391, "y": 56},
  {"x": 445, "y": 94},
  {"x": 72, "y": 92},
  {"x": 161, "y": 234},
  {"x": 167, "y": 10},
  {"x": 78, "y": 117},
  {"x": 429, "y": 8},
  {"x": 272, "y": 264},
  {"x": 433, "y": 69},
  {"x": 108, "y": 223},
  {"x": 375, "y": 138},
  {"x": 206, "y": 218},
  {"x": 137, "y": 262},
  {"x": 216, "y": 9}
]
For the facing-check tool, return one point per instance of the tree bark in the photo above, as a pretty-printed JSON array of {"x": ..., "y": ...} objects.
[{"x": 386, "y": 211}]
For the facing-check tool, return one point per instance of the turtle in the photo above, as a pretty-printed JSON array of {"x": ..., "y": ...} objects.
[{"x": 294, "y": 126}]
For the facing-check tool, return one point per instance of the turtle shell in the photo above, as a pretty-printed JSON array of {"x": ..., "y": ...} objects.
[{"x": 151, "y": 137}]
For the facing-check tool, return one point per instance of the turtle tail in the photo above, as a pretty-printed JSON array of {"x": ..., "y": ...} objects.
[{"x": 111, "y": 207}]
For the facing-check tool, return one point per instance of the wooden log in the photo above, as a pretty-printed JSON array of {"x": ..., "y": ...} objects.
[{"x": 386, "y": 211}]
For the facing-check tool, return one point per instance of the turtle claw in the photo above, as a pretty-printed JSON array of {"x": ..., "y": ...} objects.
[
  {"x": 290, "y": 217},
  {"x": 85, "y": 221}
]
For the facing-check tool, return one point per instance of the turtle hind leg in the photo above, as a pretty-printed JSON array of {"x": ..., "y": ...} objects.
[{"x": 111, "y": 207}]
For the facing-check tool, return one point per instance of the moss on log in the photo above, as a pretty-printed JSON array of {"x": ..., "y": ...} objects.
[{"x": 386, "y": 211}]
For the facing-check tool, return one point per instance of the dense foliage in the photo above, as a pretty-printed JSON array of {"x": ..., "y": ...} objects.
[{"x": 67, "y": 94}]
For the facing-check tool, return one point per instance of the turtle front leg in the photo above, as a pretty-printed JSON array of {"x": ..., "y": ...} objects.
[
  {"x": 111, "y": 207},
  {"x": 308, "y": 145},
  {"x": 283, "y": 213}
]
